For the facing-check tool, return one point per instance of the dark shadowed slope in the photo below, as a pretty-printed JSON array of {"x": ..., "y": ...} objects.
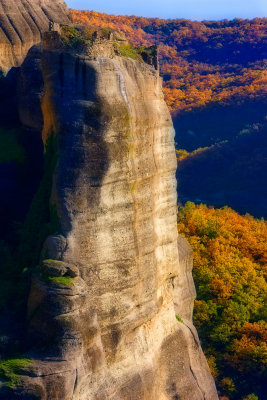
[{"x": 232, "y": 173}]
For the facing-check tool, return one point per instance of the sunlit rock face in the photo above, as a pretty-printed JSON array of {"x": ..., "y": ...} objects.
[
  {"x": 103, "y": 303},
  {"x": 22, "y": 23},
  {"x": 114, "y": 334}
]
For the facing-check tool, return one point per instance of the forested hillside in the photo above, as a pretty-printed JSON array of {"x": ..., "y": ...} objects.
[
  {"x": 230, "y": 172},
  {"x": 230, "y": 274}
]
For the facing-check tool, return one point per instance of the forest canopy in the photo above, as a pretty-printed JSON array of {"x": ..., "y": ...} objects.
[{"x": 230, "y": 269}]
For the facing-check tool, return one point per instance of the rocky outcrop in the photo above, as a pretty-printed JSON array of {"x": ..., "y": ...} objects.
[
  {"x": 110, "y": 305},
  {"x": 22, "y": 24},
  {"x": 102, "y": 309}
]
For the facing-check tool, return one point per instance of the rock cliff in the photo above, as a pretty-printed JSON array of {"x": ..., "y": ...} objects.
[
  {"x": 22, "y": 24},
  {"x": 110, "y": 331},
  {"x": 110, "y": 306}
]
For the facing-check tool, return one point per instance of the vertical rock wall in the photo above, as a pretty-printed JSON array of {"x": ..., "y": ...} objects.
[
  {"x": 108, "y": 330},
  {"x": 114, "y": 333}
]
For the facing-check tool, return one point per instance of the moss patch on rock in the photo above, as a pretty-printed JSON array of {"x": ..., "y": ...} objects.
[
  {"x": 11, "y": 369},
  {"x": 62, "y": 280},
  {"x": 179, "y": 319}
]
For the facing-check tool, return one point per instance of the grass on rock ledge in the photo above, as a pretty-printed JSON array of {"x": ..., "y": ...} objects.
[
  {"x": 10, "y": 370},
  {"x": 63, "y": 280}
]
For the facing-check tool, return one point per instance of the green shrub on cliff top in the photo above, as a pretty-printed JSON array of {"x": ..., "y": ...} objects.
[
  {"x": 126, "y": 50},
  {"x": 137, "y": 53},
  {"x": 76, "y": 38},
  {"x": 72, "y": 37}
]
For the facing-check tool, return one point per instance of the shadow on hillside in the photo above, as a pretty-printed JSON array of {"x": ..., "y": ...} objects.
[
  {"x": 232, "y": 173},
  {"x": 215, "y": 123}
]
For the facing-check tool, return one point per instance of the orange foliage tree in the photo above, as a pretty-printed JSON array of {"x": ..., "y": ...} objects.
[{"x": 230, "y": 270}]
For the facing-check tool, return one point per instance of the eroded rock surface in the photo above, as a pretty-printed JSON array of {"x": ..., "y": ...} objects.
[
  {"x": 102, "y": 307},
  {"x": 22, "y": 23},
  {"x": 112, "y": 332}
]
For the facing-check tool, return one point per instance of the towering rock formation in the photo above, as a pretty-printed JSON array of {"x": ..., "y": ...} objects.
[
  {"x": 22, "y": 23},
  {"x": 102, "y": 308}
]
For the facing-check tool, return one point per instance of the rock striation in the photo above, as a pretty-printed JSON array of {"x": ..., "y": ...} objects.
[
  {"x": 110, "y": 330},
  {"x": 110, "y": 306},
  {"x": 22, "y": 24}
]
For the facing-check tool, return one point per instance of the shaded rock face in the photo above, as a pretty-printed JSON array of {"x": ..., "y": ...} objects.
[
  {"x": 22, "y": 24},
  {"x": 112, "y": 332}
]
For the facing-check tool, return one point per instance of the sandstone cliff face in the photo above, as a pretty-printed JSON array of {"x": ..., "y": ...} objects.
[
  {"x": 102, "y": 308},
  {"x": 22, "y": 24},
  {"x": 112, "y": 333}
]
